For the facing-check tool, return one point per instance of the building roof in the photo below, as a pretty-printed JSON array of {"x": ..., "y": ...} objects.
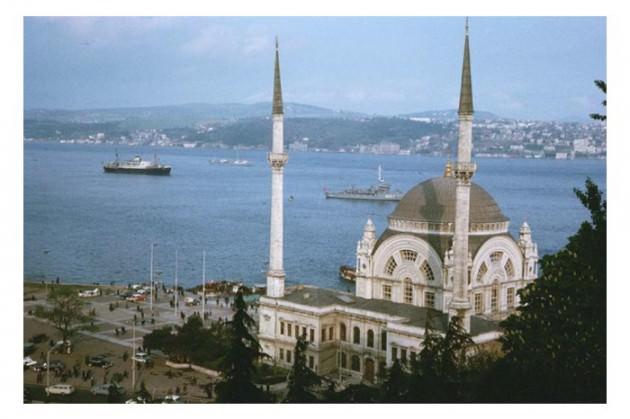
[
  {"x": 433, "y": 201},
  {"x": 414, "y": 315}
]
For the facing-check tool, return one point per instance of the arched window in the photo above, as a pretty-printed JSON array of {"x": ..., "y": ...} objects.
[
  {"x": 408, "y": 295},
  {"x": 356, "y": 335},
  {"x": 426, "y": 270},
  {"x": 370, "y": 338},
  {"x": 509, "y": 269},
  {"x": 495, "y": 257},
  {"x": 390, "y": 266},
  {"x": 355, "y": 363},
  {"x": 409, "y": 255},
  {"x": 342, "y": 331},
  {"x": 481, "y": 272}
]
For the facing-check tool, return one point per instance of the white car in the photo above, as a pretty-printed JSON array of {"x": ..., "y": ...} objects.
[
  {"x": 28, "y": 362},
  {"x": 142, "y": 357},
  {"x": 171, "y": 398},
  {"x": 90, "y": 293},
  {"x": 61, "y": 389}
]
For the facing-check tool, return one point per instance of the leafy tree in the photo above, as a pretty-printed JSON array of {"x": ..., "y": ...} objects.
[
  {"x": 238, "y": 366},
  {"x": 301, "y": 378},
  {"x": 602, "y": 86},
  {"x": 395, "y": 388},
  {"x": 66, "y": 312},
  {"x": 556, "y": 344}
]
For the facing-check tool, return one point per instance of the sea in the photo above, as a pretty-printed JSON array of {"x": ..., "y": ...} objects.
[{"x": 82, "y": 225}]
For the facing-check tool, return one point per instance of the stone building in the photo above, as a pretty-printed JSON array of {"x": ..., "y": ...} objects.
[{"x": 446, "y": 252}]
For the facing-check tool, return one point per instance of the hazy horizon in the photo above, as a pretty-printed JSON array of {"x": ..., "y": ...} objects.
[{"x": 524, "y": 68}]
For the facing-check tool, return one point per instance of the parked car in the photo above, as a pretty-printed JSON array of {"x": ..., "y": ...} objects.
[
  {"x": 57, "y": 366},
  {"x": 172, "y": 398},
  {"x": 99, "y": 361},
  {"x": 142, "y": 357},
  {"x": 28, "y": 362},
  {"x": 61, "y": 389},
  {"x": 63, "y": 347},
  {"x": 136, "y": 400},
  {"x": 190, "y": 301},
  {"x": 104, "y": 389},
  {"x": 90, "y": 293},
  {"x": 136, "y": 298}
]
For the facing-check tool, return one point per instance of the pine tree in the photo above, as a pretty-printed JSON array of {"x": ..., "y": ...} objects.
[
  {"x": 301, "y": 378},
  {"x": 556, "y": 345},
  {"x": 395, "y": 389},
  {"x": 602, "y": 86},
  {"x": 238, "y": 366}
]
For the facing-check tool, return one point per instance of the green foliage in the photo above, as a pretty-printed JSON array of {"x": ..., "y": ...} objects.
[
  {"x": 191, "y": 343},
  {"x": 66, "y": 311},
  {"x": 602, "y": 86},
  {"x": 301, "y": 378},
  {"x": 396, "y": 387},
  {"x": 238, "y": 364},
  {"x": 556, "y": 344}
]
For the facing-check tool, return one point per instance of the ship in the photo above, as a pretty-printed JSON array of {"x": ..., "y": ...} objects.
[
  {"x": 347, "y": 273},
  {"x": 137, "y": 165},
  {"x": 230, "y": 162},
  {"x": 379, "y": 192}
]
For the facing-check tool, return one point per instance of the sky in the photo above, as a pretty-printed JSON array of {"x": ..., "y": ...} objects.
[{"x": 522, "y": 67}]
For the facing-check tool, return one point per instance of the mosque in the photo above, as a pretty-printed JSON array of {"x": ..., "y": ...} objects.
[{"x": 446, "y": 252}]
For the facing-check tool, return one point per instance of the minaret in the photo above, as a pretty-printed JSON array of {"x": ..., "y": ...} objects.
[
  {"x": 463, "y": 172},
  {"x": 277, "y": 159}
]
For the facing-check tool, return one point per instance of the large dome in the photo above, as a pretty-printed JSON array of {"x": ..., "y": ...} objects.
[{"x": 433, "y": 201}]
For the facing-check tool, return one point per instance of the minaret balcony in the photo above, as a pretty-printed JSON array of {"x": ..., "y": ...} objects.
[
  {"x": 277, "y": 160},
  {"x": 464, "y": 170}
]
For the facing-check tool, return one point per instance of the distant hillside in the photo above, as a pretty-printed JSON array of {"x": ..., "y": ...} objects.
[
  {"x": 450, "y": 115},
  {"x": 186, "y": 115}
]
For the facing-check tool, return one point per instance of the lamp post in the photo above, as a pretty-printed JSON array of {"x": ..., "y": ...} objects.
[
  {"x": 176, "y": 288},
  {"x": 151, "y": 275},
  {"x": 133, "y": 359},
  {"x": 48, "y": 362},
  {"x": 203, "y": 289}
]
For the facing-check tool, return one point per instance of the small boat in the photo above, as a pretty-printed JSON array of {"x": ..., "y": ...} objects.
[{"x": 347, "y": 273}]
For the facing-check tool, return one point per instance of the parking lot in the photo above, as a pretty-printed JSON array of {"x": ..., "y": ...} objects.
[{"x": 113, "y": 338}]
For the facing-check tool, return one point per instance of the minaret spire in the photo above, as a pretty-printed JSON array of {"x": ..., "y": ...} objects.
[
  {"x": 465, "y": 96},
  {"x": 464, "y": 170},
  {"x": 277, "y": 159},
  {"x": 277, "y": 86}
]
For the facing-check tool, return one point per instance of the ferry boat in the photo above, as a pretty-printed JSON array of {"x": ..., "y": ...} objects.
[
  {"x": 137, "y": 165},
  {"x": 378, "y": 192},
  {"x": 347, "y": 273}
]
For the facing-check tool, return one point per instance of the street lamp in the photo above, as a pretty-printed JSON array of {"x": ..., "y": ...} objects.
[
  {"x": 176, "y": 288},
  {"x": 203, "y": 290},
  {"x": 61, "y": 342},
  {"x": 151, "y": 275}
]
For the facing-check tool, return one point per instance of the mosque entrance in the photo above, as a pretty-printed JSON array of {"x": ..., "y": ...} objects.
[{"x": 368, "y": 372}]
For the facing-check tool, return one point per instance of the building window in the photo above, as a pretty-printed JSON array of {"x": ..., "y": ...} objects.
[
  {"x": 282, "y": 354},
  {"x": 494, "y": 298},
  {"x": 510, "y": 297},
  {"x": 481, "y": 272},
  {"x": 311, "y": 362},
  {"x": 289, "y": 329},
  {"x": 288, "y": 356},
  {"x": 312, "y": 335},
  {"x": 509, "y": 269},
  {"x": 282, "y": 328},
  {"x": 408, "y": 291},
  {"x": 412, "y": 356},
  {"x": 304, "y": 331},
  {"x": 356, "y": 335},
  {"x": 495, "y": 257},
  {"x": 403, "y": 356},
  {"x": 355, "y": 363},
  {"x": 394, "y": 353},
  {"x": 390, "y": 266},
  {"x": 344, "y": 360},
  {"x": 370, "y": 338},
  {"x": 427, "y": 271},
  {"x": 387, "y": 292},
  {"x": 323, "y": 334},
  {"x": 429, "y": 299},
  {"x": 384, "y": 340},
  {"x": 331, "y": 333},
  {"x": 342, "y": 331},
  {"x": 478, "y": 303},
  {"x": 409, "y": 255}
]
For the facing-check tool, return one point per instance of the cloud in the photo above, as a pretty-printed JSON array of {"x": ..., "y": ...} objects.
[{"x": 227, "y": 40}]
